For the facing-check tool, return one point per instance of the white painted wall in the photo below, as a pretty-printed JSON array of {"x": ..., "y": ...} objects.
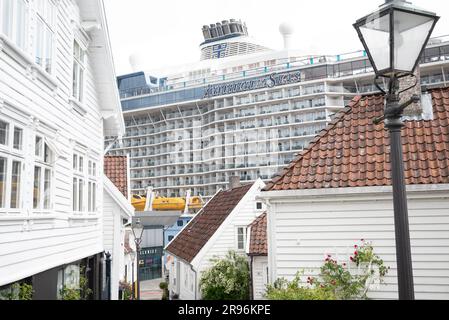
[
  {"x": 305, "y": 225},
  {"x": 259, "y": 277},
  {"x": 31, "y": 241}
]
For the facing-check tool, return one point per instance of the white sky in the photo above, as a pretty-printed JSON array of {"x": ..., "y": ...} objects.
[{"x": 168, "y": 32}]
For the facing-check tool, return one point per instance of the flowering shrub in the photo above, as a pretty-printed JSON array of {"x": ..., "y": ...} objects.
[
  {"x": 227, "y": 279},
  {"x": 127, "y": 290},
  {"x": 336, "y": 280}
]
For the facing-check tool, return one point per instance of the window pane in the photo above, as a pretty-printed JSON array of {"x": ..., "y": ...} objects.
[
  {"x": 7, "y": 17},
  {"x": 15, "y": 184},
  {"x": 81, "y": 164},
  {"x": 75, "y": 162},
  {"x": 240, "y": 238},
  {"x": 47, "y": 154},
  {"x": 18, "y": 133},
  {"x": 20, "y": 24},
  {"x": 37, "y": 187},
  {"x": 80, "y": 85},
  {"x": 94, "y": 169},
  {"x": 89, "y": 196},
  {"x": 94, "y": 197},
  {"x": 4, "y": 127},
  {"x": 75, "y": 194},
  {"x": 2, "y": 181},
  {"x": 38, "y": 147},
  {"x": 75, "y": 80},
  {"x": 81, "y": 194},
  {"x": 47, "y": 189},
  {"x": 39, "y": 46}
]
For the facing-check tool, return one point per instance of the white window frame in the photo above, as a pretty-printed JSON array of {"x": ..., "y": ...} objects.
[
  {"x": 92, "y": 186},
  {"x": 10, "y": 154},
  {"x": 14, "y": 32},
  {"x": 79, "y": 175},
  {"x": 48, "y": 23},
  {"x": 237, "y": 238},
  {"x": 44, "y": 167},
  {"x": 78, "y": 66}
]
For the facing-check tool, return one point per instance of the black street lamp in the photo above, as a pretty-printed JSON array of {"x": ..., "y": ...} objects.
[
  {"x": 138, "y": 232},
  {"x": 394, "y": 38}
]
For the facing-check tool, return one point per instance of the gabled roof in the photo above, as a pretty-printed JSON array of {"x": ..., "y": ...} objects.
[
  {"x": 258, "y": 244},
  {"x": 353, "y": 152},
  {"x": 116, "y": 169},
  {"x": 189, "y": 242}
]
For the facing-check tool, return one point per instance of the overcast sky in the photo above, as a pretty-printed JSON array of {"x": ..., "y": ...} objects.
[{"x": 168, "y": 32}]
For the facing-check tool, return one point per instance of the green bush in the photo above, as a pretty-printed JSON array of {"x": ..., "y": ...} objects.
[
  {"x": 335, "y": 281},
  {"x": 17, "y": 291},
  {"x": 284, "y": 290},
  {"x": 227, "y": 279}
]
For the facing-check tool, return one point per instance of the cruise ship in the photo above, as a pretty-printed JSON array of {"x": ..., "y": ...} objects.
[{"x": 242, "y": 110}]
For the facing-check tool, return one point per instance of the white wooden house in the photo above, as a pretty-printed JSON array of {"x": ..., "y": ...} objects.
[
  {"x": 58, "y": 100},
  {"x": 117, "y": 216},
  {"x": 219, "y": 227},
  {"x": 338, "y": 192}
]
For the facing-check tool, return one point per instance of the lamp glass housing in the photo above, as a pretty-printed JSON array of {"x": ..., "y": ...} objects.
[
  {"x": 138, "y": 230},
  {"x": 395, "y": 37}
]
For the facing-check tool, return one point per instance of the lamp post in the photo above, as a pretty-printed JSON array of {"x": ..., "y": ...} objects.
[
  {"x": 394, "y": 38},
  {"x": 133, "y": 258},
  {"x": 137, "y": 232}
]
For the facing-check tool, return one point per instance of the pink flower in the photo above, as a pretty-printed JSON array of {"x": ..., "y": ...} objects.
[
  {"x": 356, "y": 246},
  {"x": 356, "y": 253}
]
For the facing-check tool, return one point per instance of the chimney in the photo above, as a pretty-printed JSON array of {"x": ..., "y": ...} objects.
[
  {"x": 415, "y": 110},
  {"x": 234, "y": 182}
]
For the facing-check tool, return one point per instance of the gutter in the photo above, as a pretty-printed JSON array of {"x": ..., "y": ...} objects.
[{"x": 251, "y": 290}]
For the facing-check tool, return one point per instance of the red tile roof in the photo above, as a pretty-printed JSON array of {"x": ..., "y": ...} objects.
[
  {"x": 116, "y": 169},
  {"x": 258, "y": 245},
  {"x": 353, "y": 152},
  {"x": 203, "y": 226}
]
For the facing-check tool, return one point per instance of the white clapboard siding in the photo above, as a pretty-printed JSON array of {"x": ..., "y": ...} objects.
[
  {"x": 259, "y": 277},
  {"x": 30, "y": 243},
  {"x": 305, "y": 228}
]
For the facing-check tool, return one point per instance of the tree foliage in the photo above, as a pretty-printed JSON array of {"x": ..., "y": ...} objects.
[{"x": 227, "y": 279}]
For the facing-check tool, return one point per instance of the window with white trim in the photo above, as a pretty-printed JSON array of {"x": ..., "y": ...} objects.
[
  {"x": 43, "y": 175},
  {"x": 78, "y": 204},
  {"x": 79, "y": 57},
  {"x": 12, "y": 165},
  {"x": 241, "y": 238},
  {"x": 92, "y": 186},
  {"x": 44, "y": 34},
  {"x": 13, "y": 21}
]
